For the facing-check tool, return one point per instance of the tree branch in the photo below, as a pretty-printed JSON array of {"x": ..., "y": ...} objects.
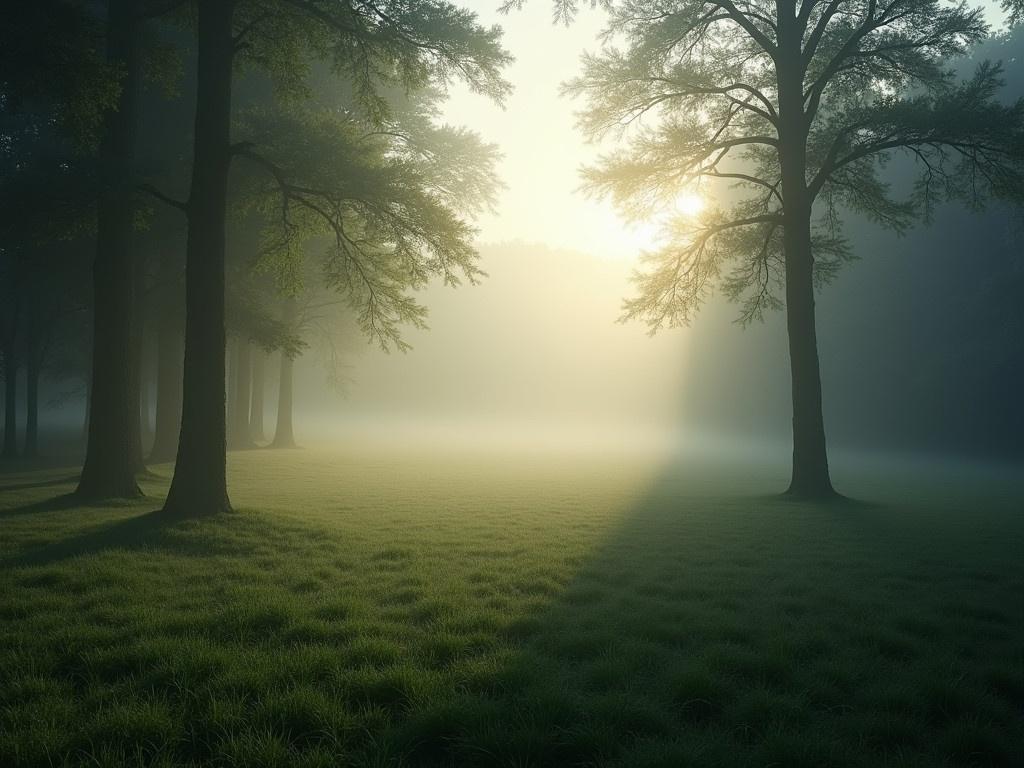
[{"x": 154, "y": 192}]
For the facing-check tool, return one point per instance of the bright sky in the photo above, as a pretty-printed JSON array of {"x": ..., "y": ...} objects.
[{"x": 536, "y": 131}]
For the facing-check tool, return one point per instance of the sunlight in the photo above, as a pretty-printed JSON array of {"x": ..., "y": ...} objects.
[
  {"x": 689, "y": 204},
  {"x": 643, "y": 236}
]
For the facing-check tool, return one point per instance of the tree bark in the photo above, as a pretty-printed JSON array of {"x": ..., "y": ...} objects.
[
  {"x": 10, "y": 450},
  {"x": 199, "y": 485},
  {"x": 259, "y": 359},
  {"x": 110, "y": 465},
  {"x": 168, "y": 389},
  {"x": 241, "y": 402},
  {"x": 284, "y": 437},
  {"x": 33, "y": 361},
  {"x": 146, "y": 394},
  {"x": 810, "y": 474},
  {"x": 87, "y": 406},
  {"x": 140, "y": 428}
]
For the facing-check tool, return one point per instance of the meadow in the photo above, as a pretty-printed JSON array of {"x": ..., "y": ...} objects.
[{"x": 380, "y": 607}]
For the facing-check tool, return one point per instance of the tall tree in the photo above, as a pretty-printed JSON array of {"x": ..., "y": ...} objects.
[
  {"x": 412, "y": 44},
  {"x": 112, "y": 451},
  {"x": 798, "y": 105},
  {"x": 169, "y": 325}
]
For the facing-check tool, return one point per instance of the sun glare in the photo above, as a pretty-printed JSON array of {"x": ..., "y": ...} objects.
[{"x": 689, "y": 204}]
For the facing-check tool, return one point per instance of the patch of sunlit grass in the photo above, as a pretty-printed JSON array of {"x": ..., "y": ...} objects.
[{"x": 370, "y": 608}]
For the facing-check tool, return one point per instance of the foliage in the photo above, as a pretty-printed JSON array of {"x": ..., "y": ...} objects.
[
  {"x": 696, "y": 89},
  {"x": 389, "y": 196},
  {"x": 562, "y": 11},
  {"x": 52, "y": 52},
  {"x": 370, "y": 45}
]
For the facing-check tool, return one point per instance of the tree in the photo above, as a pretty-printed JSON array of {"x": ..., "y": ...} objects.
[
  {"x": 47, "y": 194},
  {"x": 49, "y": 66},
  {"x": 370, "y": 43},
  {"x": 797, "y": 106},
  {"x": 49, "y": 55},
  {"x": 112, "y": 450}
]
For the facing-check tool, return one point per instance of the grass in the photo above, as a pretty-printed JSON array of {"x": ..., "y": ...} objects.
[{"x": 379, "y": 608}]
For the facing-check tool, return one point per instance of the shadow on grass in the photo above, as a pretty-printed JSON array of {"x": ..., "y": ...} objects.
[
  {"x": 40, "y": 483},
  {"x": 749, "y": 632},
  {"x": 131, "y": 533},
  {"x": 697, "y": 630},
  {"x": 52, "y": 504}
]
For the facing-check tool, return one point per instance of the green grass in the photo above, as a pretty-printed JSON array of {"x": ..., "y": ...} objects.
[{"x": 379, "y": 608}]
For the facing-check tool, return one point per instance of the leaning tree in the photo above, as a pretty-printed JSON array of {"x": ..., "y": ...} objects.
[{"x": 797, "y": 106}]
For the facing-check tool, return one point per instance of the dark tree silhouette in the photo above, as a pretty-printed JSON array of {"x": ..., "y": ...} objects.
[
  {"x": 412, "y": 44},
  {"x": 47, "y": 195},
  {"x": 796, "y": 104},
  {"x": 112, "y": 452}
]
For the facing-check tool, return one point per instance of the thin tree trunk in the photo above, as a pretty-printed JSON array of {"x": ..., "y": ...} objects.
[
  {"x": 242, "y": 377},
  {"x": 10, "y": 403},
  {"x": 259, "y": 359},
  {"x": 33, "y": 358},
  {"x": 284, "y": 437},
  {"x": 199, "y": 485},
  {"x": 87, "y": 405},
  {"x": 230, "y": 383},
  {"x": 138, "y": 378},
  {"x": 145, "y": 394},
  {"x": 110, "y": 464},
  {"x": 168, "y": 390},
  {"x": 810, "y": 476}
]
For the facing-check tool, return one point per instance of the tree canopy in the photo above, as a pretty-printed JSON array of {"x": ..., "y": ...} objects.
[{"x": 694, "y": 87}]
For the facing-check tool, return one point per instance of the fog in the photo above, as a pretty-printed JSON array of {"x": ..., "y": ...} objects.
[
  {"x": 920, "y": 339},
  {"x": 532, "y": 354}
]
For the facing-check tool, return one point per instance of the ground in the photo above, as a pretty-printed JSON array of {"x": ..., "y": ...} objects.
[{"x": 374, "y": 607}]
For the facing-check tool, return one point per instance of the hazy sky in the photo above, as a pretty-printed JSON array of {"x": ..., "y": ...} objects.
[{"x": 536, "y": 132}]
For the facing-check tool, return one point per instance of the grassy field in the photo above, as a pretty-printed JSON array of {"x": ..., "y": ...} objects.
[{"x": 386, "y": 608}]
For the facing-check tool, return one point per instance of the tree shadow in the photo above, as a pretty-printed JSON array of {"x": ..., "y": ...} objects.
[
  {"x": 51, "y": 504},
  {"x": 738, "y": 630},
  {"x": 40, "y": 483},
  {"x": 130, "y": 533}
]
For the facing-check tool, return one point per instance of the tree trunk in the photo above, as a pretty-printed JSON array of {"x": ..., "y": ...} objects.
[
  {"x": 284, "y": 437},
  {"x": 259, "y": 359},
  {"x": 140, "y": 428},
  {"x": 10, "y": 403},
  {"x": 810, "y": 476},
  {"x": 146, "y": 394},
  {"x": 242, "y": 377},
  {"x": 87, "y": 405},
  {"x": 109, "y": 469},
  {"x": 33, "y": 360},
  {"x": 168, "y": 390},
  {"x": 199, "y": 485}
]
